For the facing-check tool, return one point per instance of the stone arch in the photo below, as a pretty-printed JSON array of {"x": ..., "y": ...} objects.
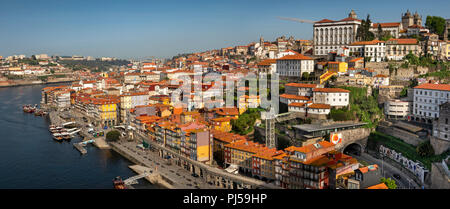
[{"x": 353, "y": 148}]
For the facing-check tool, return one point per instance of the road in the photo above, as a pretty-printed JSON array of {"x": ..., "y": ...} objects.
[
  {"x": 151, "y": 159},
  {"x": 404, "y": 183}
]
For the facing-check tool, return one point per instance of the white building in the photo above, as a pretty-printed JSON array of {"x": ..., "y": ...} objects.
[
  {"x": 375, "y": 50},
  {"x": 397, "y": 109},
  {"x": 427, "y": 98},
  {"x": 334, "y": 97},
  {"x": 393, "y": 28},
  {"x": 380, "y": 80},
  {"x": 294, "y": 65},
  {"x": 329, "y": 35},
  {"x": 397, "y": 49}
]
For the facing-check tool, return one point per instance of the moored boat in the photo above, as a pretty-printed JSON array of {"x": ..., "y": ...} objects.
[
  {"x": 118, "y": 183},
  {"x": 66, "y": 136},
  {"x": 57, "y": 137}
]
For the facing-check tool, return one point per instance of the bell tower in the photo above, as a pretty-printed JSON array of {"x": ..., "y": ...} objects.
[{"x": 352, "y": 14}]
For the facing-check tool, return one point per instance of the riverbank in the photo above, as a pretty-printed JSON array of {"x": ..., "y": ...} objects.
[
  {"x": 33, "y": 83},
  {"x": 33, "y": 160}
]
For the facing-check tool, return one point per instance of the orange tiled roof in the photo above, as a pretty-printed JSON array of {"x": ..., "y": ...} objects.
[
  {"x": 403, "y": 41},
  {"x": 268, "y": 154},
  {"x": 302, "y": 85},
  {"x": 430, "y": 86},
  {"x": 247, "y": 146},
  {"x": 319, "y": 106},
  {"x": 225, "y": 136},
  {"x": 374, "y": 42},
  {"x": 331, "y": 90},
  {"x": 378, "y": 186},
  {"x": 227, "y": 111},
  {"x": 310, "y": 147},
  {"x": 324, "y": 21},
  {"x": 267, "y": 62},
  {"x": 293, "y": 96},
  {"x": 295, "y": 57},
  {"x": 386, "y": 25},
  {"x": 356, "y": 59},
  {"x": 297, "y": 104},
  {"x": 222, "y": 119}
]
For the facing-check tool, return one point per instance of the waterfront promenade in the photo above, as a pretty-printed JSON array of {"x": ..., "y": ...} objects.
[{"x": 177, "y": 177}]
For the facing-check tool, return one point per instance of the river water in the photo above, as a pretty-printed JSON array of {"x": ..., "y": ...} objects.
[{"x": 31, "y": 159}]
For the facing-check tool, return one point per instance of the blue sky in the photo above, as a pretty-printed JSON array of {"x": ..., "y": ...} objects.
[{"x": 136, "y": 29}]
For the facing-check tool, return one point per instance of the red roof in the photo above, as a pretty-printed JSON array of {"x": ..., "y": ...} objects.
[
  {"x": 319, "y": 106},
  {"x": 386, "y": 25},
  {"x": 374, "y": 42},
  {"x": 430, "y": 86},
  {"x": 330, "y": 90},
  {"x": 349, "y": 19},
  {"x": 267, "y": 62},
  {"x": 293, "y": 96},
  {"x": 302, "y": 85},
  {"x": 402, "y": 41},
  {"x": 296, "y": 57},
  {"x": 324, "y": 21},
  {"x": 356, "y": 59},
  {"x": 297, "y": 104}
]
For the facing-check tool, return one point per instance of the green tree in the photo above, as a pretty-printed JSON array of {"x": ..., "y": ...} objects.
[
  {"x": 390, "y": 183},
  {"x": 363, "y": 33},
  {"x": 425, "y": 149},
  {"x": 113, "y": 135},
  {"x": 436, "y": 24},
  {"x": 380, "y": 32},
  {"x": 412, "y": 59},
  {"x": 305, "y": 75}
]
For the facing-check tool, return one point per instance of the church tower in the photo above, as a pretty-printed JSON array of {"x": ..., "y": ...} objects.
[
  {"x": 407, "y": 20},
  {"x": 417, "y": 19},
  {"x": 352, "y": 14}
]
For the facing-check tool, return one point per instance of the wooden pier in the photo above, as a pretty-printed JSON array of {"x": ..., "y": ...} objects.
[{"x": 80, "y": 148}]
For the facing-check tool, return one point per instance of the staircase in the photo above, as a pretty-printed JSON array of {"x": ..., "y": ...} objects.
[{"x": 327, "y": 75}]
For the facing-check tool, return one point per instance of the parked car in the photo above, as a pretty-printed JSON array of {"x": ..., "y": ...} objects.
[{"x": 194, "y": 175}]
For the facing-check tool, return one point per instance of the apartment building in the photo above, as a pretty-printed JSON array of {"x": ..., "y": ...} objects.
[
  {"x": 335, "y": 97},
  {"x": 427, "y": 98},
  {"x": 300, "y": 89},
  {"x": 374, "y": 50},
  {"x": 397, "y": 49},
  {"x": 329, "y": 35},
  {"x": 295, "y": 65},
  {"x": 397, "y": 109}
]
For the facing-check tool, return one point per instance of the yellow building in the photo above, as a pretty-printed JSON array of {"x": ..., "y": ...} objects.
[
  {"x": 246, "y": 102},
  {"x": 222, "y": 124},
  {"x": 337, "y": 67},
  {"x": 107, "y": 111}
]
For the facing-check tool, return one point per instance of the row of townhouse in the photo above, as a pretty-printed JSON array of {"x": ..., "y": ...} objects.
[
  {"x": 185, "y": 133},
  {"x": 102, "y": 109},
  {"x": 314, "y": 166}
]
